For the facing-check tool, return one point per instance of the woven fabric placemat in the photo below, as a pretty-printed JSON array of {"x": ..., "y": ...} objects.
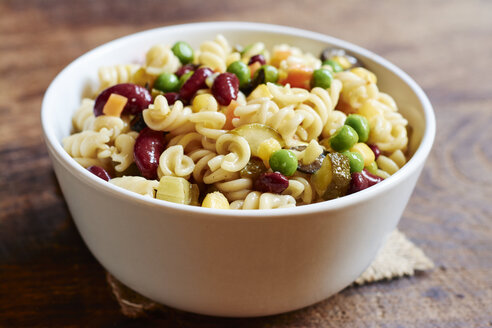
[{"x": 397, "y": 258}]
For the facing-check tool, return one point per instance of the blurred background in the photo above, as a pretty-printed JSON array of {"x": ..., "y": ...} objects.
[{"x": 49, "y": 278}]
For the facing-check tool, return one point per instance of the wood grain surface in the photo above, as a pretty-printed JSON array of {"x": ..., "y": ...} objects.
[{"x": 48, "y": 278}]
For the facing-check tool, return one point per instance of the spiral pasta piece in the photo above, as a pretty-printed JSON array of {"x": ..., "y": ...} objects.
[
  {"x": 111, "y": 75},
  {"x": 356, "y": 90},
  {"x": 173, "y": 162},
  {"x": 209, "y": 124},
  {"x": 258, "y": 110},
  {"x": 389, "y": 165},
  {"x": 264, "y": 201},
  {"x": 112, "y": 123},
  {"x": 160, "y": 59},
  {"x": 189, "y": 141},
  {"x": 162, "y": 117},
  {"x": 236, "y": 150},
  {"x": 201, "y": 157},
  {"x": 88, "y": 144},
  {"x": 285, "y": 95},
  {"x": 83, "y": 117},
  {"x": 122, "y": 151},
  {"x": 300, "y": 189},
  {"x": 139, "y": 185},
  {"x": 214, "y": 54},
  {"x": 236, "y": 189}
]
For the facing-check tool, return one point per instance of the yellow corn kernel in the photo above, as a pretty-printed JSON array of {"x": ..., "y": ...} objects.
[
  {"x": 365, "y": 151},
  {"x": 261, "y": 91},
  {"x": 141, "y": 77},
  {"x": 267, "y": 148},
  {"x": 343, "y": 61},
  {"x": 216, "y": 200},
  {"x": 365, "y": 74},
  {"x": 204, "y": 103}
]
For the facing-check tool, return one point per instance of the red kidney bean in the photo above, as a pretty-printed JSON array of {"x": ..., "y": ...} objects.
[
  {"x": 257, "y": 58},
  {"x": 371, "y": 178},
  {"x": 148, "y": 148},
  {"x": 194, "y": 83},
  {"x": 139, "y": 98},
  {"x": 171, "y": 97},
  {"x": 362, "y": 180},
  {"x": 99, "y": 172},
  {"x": 375, "y": 149},
  {"x": 225, "y": 88},
  {"x": 358, "y": 182},
  {"x": 185, "y": 69},
  {"x": 274, "y": 182}
]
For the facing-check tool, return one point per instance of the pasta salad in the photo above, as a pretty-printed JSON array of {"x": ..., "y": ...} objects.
[{"x": 234, "y": 127}]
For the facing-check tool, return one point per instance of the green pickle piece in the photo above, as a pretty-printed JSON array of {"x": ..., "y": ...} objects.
[
  {"x": 253, "y": 169},
  {"x": 332, "y": 180}
]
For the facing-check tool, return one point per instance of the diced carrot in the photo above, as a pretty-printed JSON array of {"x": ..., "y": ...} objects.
[
  {"x": 230, "y": 115},
  {"x": 279, "y": 56},
  {"x": 115, "y": 105},
  {"x": 254, "y": 67},
  {"x": 298, "y": 77}
]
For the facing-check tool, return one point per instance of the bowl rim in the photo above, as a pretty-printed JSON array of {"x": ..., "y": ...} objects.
[{"x": 85, "y": 176}]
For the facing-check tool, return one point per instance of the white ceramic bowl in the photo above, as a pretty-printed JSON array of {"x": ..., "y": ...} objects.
[{"x": 225, "y": 262}]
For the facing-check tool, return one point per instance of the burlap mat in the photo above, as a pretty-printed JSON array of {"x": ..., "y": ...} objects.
[{"x": 397, "y": 258}]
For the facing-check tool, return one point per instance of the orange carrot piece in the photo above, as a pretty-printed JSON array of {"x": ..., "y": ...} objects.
[
  {"x": 279, "y": 56},
  {"x": 115, "y": 105},
  {"x": 230, "y": 115},
  {"x": 298, "y": 77},
  {"x": 254, "y": 67}
]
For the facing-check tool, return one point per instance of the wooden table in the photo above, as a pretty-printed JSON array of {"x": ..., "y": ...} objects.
[{"x": 49, "y": 278}]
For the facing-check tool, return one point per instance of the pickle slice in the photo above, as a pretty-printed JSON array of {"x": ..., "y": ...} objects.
[
  {"x": 255, "y": 134},
  {"x": 332, "y": 180}
]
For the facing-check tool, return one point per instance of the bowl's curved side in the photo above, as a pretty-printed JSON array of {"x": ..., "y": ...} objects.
[
  {"x": 241, "y": 263},
  {"x": 231, "y": 267}
]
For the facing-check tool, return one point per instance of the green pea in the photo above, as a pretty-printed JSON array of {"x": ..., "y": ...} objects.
[
  {"x": 356, "y": 161},
  {"x": 167, "y": 82},
  {"x": 283, "y": 161},
  {"x": 270, "y": 72},
  {"x": 335, "y": 66},
  {"x": 344, "y": 138},
  {"x": 183, "y": 51},
  {"x": 241, "y": 70},
  {"x": 321, "y": 78},
  {"x": 184, "y": 78},
  {"x": 360, "y": 124},
  {"x": 372, "y": 168}
]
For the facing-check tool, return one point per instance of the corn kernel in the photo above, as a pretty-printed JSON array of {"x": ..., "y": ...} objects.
[
  {"x": 365, "y": 151},
  {"x": 261, "y": 91},
  {"x": 365, "y": 74},
  {"x": 204, "y": 103},
  {"x": 343, "y": 61},
  {"x": 215, "y": 200},
  {"x": 267, "y": 148}
]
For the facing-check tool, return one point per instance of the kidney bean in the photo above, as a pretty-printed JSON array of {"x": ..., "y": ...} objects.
[
  {"x": 225, "y": 88},
  {"x": 358, "y": 182},
  {"x": 362, "y": 180},
  {"x": 375, "y": 149},
  {"x": 185, "y": 69},
  {"x": 148, "y": 148},
  {"x": 371, "y": 178},
  {"x": 99, "y": 172},
  {"x": 273, "y": 182},
  {"x": 171, "y": 97},
  {"x": 257, "y": 58},
  {"x": 139, "y": 98},
  {"x": 194, "y": 83}
]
